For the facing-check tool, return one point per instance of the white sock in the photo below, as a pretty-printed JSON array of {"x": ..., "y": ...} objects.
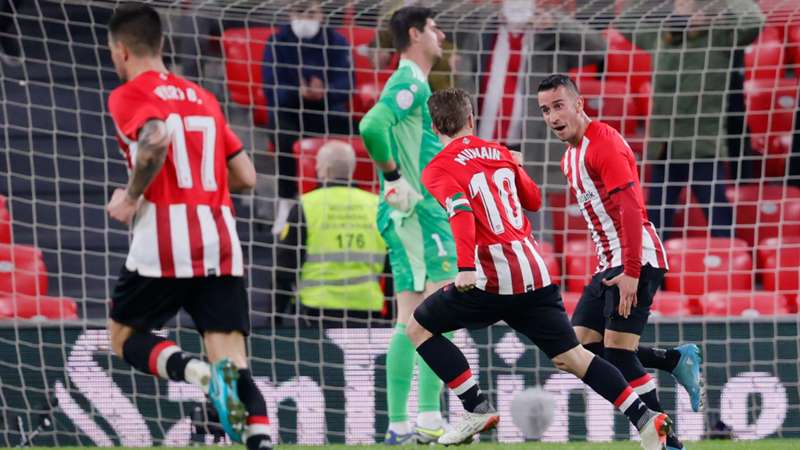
[
  {"x": 198, "y": 373},
  {"x": 400, "y": 427},
  {"x": 430, "y": 419}
]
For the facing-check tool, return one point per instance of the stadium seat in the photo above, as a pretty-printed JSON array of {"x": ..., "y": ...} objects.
[
  {"x": 696, "y": 224},
  {"x": 771, "y": 106},
  {"x": 793, "y": 47},
  {"x": 610, "y": 102},
  {"x": 305, "y": 150},
  {"x": 779, "y": 267},
  {"x": 20, "y": 306},
  {"x": 22, "y": 270},
  {"x": 670, "y": 304},
  {"x": 581, "y": 262},
  {"x": 763, "y": 59},
  {"x": 765, "y": 211},
  {"x": 550, "y": 260},
  {"x": 743, "y": 303},
  {"x": 5, "y": 221},
  {"x": 700, "y": 265},
  {"x": 243, "y": 50},
  {"x": 568, "y": 223},
  {"x": 631, "y": 65}
]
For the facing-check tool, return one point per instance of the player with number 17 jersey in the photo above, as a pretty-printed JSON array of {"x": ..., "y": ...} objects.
[
  {"x": 185, "y": 226},
  {"x": 471, "y": 174}
]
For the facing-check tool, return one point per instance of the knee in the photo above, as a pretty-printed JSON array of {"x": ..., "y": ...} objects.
[
  {"x": 574, "y": 361},
  {"x": 417, "y": 333}
]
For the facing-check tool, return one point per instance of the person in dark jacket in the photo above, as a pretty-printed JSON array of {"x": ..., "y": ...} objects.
[{"x": 308, "y": 80}]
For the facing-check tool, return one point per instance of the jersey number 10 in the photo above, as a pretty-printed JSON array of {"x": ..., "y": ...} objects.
[
  {"x": 177, "y": 127},
  {"x": 505, "y": 182}
]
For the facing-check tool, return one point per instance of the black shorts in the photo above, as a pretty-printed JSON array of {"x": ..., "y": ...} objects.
[
  {"x": 214, "y": 303},
  {"x": 539, "y": 315},
  {"x": 599, "y": 304}
]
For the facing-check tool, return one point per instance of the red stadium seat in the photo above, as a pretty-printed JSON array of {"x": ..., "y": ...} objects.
[
  {"x": 763, "y": 59},
  {"x": 743, "y": 303},
  {"x": 581, "y": 262},
  {"x": 631, "y": 65},
  {"x": 568, "y": 223},
  {"x": 765, "y": 211},
  {"x": 550, "y": 260},
  {"x": 305, "y": 150},
  {"x": 696, "y": 224},
  {"x": 610, "y": 102},
  {"x": 22, "y": 270},
  {"x": 5, "y": 221},
  {"x": 570, "y": 301},
  {"x": 243, "y": 49},
  {"x": 700, "y": 265},
  {"x": 793, "y": 46},
  {"x": 771, "y": 106},
  {"x": 22, "y": 306},
  {"x": 670, "y": 304},
  {"x": 779, "y": 267}
]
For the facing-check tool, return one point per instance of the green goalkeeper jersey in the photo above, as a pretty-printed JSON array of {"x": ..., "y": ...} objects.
[{"x": 398, "y": 127}]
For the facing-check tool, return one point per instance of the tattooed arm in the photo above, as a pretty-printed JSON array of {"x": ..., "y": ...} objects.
[{"x": 151, "y": 151}]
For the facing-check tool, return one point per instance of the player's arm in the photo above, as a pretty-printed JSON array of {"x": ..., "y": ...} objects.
[
  {"x": 241, "y": 172},
  {"x": 530, "y": 196},
  {"x": 462, "y": 220},
  {"x": 375, "y": 129},
  {"x": 616, "y": 174},
  {"x": 151, "y": 151}
]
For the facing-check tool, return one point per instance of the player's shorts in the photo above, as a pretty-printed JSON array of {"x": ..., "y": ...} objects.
[
  {"x": 539, "y": 315},
  {"x": 421, "y": 249},
  {"x": 214, "y": 303},
  {"x": 598, "y": 308}
]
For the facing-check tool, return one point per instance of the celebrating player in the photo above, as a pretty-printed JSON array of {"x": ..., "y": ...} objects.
[
  {"x": 397, "y": 133},
  {"x": 185, "y": 253},
  {"x": 501, "y": 276},
  {"x": 614, "y": 307}
]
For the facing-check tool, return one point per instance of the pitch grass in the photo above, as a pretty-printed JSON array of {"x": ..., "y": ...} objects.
[{"x": 766, "y": 444}]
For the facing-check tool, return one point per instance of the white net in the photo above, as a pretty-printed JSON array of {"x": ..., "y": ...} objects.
[{"x": 715, "y": 91}]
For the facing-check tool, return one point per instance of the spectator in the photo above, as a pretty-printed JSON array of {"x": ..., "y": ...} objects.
[
  {"x": 307, "y": 82},
  {"x": 692, "y": 52},
  {"x": 333, "y": 238},
  {"x": 533, "y": 40}
]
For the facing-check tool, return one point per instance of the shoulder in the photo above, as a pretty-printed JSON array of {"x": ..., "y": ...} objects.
[
  {"x": 334, "y": 37},
  {"x": 605, "y": 142},
  {"x": 127, "y": 97}
]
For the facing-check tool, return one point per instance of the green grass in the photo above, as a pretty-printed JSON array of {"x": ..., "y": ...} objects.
[{"x": 766, "y": 444}]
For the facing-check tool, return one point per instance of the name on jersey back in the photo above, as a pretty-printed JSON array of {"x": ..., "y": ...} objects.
[
  {"x": 169, "y": 92},
  {"x": 472, "y": 153}
]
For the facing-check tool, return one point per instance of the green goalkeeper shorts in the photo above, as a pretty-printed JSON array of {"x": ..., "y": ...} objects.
[{"x": 421, "y": 248}]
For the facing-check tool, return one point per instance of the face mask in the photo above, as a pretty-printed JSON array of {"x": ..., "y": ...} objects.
[
  {"x": 517, "y": 12},
  {"x": 305, "y": 28}
]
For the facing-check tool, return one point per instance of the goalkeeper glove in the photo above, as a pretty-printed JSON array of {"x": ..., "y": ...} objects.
[{"x": 398, "y": 193}]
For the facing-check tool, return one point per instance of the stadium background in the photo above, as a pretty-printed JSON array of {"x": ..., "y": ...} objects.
[{"x": 59, "y": 253}]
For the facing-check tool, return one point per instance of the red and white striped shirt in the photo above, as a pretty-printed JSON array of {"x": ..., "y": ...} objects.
[
  {"x": 484, "y": 192},
  {"x": 602, "y": 164},
  {"x": 185, "y": 225}
]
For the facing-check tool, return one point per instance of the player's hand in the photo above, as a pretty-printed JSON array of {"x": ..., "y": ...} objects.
[
  {"x": 122, "y": 207},
  {"x": 400, "y": 195},
  {"x": 465, "y": 280},
  {"x": 627, "y": 286}
]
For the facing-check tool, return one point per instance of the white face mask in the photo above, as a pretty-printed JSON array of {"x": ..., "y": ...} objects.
[
  {"x": 517, "y": 12},
  {"x": 305, "y": 28}
]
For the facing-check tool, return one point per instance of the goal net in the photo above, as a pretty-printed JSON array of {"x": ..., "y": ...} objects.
[{"x": 705, "y": 93}]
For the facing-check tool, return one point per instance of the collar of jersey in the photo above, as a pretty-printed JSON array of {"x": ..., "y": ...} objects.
[{"x": 414, "y": 69}]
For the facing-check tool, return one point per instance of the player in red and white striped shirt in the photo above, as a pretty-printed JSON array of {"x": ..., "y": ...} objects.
[
  {"x": 501, "y": 276},
  {"x": 613, "y": 310},
  {"x": 185, "y": 252}
]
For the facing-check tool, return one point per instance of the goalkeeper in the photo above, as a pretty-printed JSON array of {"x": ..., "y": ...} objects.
[{"x": 397, "y": 133}]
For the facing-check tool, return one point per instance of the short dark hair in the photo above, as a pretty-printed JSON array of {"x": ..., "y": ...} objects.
[
  {"x": 403, "y": 20},
  {"x": 302, "y": 6},
  {"x": 554, "y": 81},
  {"x": 450, "y": 109},
  {"x": 138, "y": 26}
]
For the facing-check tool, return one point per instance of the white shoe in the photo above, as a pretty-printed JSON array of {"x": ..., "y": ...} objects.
[
  {"x": 654, "y": 433},
  {"x": 470, "y": 425}
]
